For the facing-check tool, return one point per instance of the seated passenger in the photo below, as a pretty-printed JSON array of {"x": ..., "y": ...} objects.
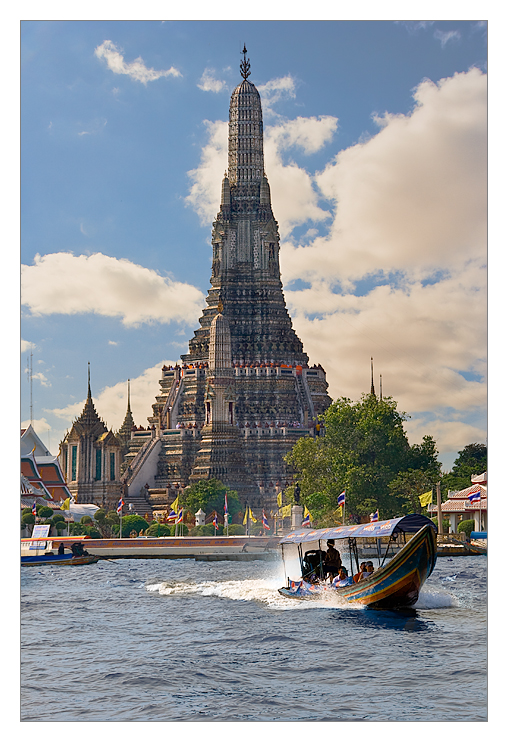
[
  {"x": 370, "y": 568},
  {"x": 362, "y": 574},
  {"x": 342, "y": 579}
]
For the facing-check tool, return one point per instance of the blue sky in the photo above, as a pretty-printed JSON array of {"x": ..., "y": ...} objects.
[{"x": 375, "y": 150}]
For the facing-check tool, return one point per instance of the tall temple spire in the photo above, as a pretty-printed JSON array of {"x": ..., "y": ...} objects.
[
  {"x": 89, "y": 417},
  {"x": 124, "y": 433}
]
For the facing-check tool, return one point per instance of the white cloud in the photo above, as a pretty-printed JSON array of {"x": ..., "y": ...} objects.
[
  {"x": 445, "y": 36},
  {"x": 209, "y": 83},
  {"x": 204, "y": 194},
  {"x": 26, "y": 345},
  {"x": 40, "y": 425},
  {"x": 275, "y": 90},
  {"x": 112, "y": 342},
  {"x": 136, "y": 70},
  {"x": 111, "y": 402},
  {"x": 107, "y": 286},
  {"x": 41, "y": 378},
  {"x": 412, "y": 198}
]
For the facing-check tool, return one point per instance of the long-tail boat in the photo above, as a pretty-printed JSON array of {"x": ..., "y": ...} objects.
[{"x": 395, "y": 584}]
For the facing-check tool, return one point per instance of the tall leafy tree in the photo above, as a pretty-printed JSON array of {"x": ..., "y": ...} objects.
[
  {"x": 363, "y": 450},
  {"x": 208, "y": 494},
  {"x": 472, "y": 460}
]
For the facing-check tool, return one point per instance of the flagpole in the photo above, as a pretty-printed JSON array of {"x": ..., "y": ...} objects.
[
  {"x": 439, "y": 513},
  {"x": 344, "y": 509}
]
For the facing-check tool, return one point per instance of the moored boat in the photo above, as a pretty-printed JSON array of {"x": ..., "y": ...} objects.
[
  {"x": 44, "y": 553},
  {"x": 58, "y": 560},
  {"x": 395, "y": 584}
]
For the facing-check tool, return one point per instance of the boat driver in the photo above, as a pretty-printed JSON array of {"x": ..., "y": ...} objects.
[{"x": 332, "y": 560}]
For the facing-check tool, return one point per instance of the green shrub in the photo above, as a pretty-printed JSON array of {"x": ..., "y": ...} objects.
[
  {"x": 26, "y": 511},
  {"x": 236, "y": 530},
  {"x": 57, "y": 517},
  {"x": 86, "y": 520},
  {"x": 446, "y": 524},
  {"x": 76, "y": 529},
  {"x": 466, "y": 526},
  {"x": 158, "y": 529},
  {"x": 60, "y": 526},
  {"x": 28, "y": 519},
  {"x": 182, "y": 530},
  {"x": 133, "y": 523},
  {"x": 91, "y": 531},
  {"x": 44, "y": 511}
]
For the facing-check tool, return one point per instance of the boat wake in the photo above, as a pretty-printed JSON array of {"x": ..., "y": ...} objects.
[
  {"x": 432, "y": 598},
  {"x": 261, "y": 590}
]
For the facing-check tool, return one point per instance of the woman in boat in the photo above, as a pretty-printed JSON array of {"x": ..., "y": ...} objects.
[{"x": 342, "y": 579}]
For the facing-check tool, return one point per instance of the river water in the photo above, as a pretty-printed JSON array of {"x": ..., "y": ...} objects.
[{"x": 178, "y": 640}]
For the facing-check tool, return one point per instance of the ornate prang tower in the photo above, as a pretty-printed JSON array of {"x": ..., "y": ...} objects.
[{"x": 245, "y": 393}]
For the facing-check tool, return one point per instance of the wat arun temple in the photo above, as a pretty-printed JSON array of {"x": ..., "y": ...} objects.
[{"x": 244, "y": 394}]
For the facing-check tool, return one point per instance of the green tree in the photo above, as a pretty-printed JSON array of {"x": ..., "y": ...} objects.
[
  {"x": 58, "y": 517},
  {"x": 158, "y": 529},
  {"x": 133, "y": 523},
  {"x": 408, "y": 487},
  {"x": 363, "y": 450},
  {"x": 208, "y": 494},
  {"x": 28, "y": 519},
  {"x": 472, "y": 460},
  {"x": 44, "y": 512}
]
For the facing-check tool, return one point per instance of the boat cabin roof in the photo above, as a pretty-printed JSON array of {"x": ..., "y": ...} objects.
[{"x": 407, "y": 524}]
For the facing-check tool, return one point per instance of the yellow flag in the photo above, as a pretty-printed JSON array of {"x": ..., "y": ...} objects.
[
  {"x": 253, "y": 519},
  {"x": 279, "y": 500},
  {"x": 66, "y": 504},
  {"x": 174, "y": 505},
  {"x": 245, "y": 516},
  {"x": 286, "y": 511},
  {"x": 426, "y": 499},
  {"x": 339, "y": 509},
  {"x": 306, "y": 513}
]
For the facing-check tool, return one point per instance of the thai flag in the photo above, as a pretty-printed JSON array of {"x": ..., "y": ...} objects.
[
  {"x": 120, "y": 506},
  {"x": 265, "y": 522},
  {"x": 215, "y": 521},
  {"x": 34, "y": 509},
  {"x": 306, "y": 520},
  {"x": 374, "y": 516},
  {"x": 171, "y": 515},
  {"x": 225, "y": 505},
  {"x": 475, "y": 497},
  {"x": 180, "y": 516},
  {"x": 341, "y": 499}
]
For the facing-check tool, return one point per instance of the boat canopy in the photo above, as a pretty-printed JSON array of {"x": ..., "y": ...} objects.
[{"x": 407, "y": 524}]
